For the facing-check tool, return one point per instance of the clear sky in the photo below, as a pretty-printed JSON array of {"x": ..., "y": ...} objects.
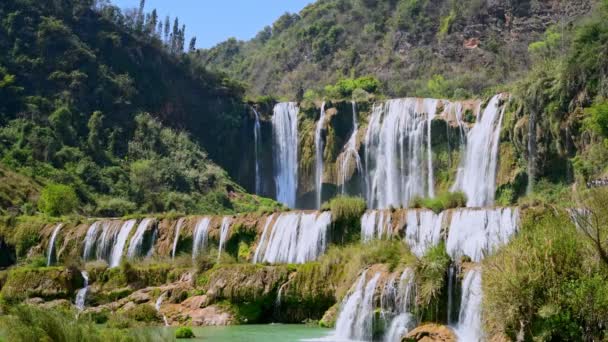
[{"x": 213, "y": 21}]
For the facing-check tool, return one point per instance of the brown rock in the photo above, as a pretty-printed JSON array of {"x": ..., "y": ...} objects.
[
  {"x": 196, "y": 302},
  {"x": 431, "y": 333}
]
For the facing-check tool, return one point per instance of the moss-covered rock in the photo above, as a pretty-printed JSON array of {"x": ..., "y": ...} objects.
[{"x": 46, "y": 282}]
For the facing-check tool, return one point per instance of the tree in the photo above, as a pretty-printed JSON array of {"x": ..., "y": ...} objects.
[
  {"x": 174, "y": 36},
  {"x": 95, "y": 125},
  {"x": 192, "y": 46},
  {"x": 140, "y": 16},
  {"x": 58, "y": 199},
  {"x": 592, "y": 220},
  {"x": 152, "y": 22},
  {"x": 167, "y": 29}
]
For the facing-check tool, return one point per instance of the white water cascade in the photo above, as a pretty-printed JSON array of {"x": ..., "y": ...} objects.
[
  {"x": 394, "y": 149},
  {"x": 350, "y": 153},
  {"x": 285, "y": 147},
  {"x": 137, "y": 240},
  {"x": 157, "y": 305},
  {"x": 376, "y": 224},
  {"x": 223, "y": 235},
  {"x": 319, "y": 148},
  {"x": 469, "y": 326},
  {"x": 178, "y": 228},
  {"x": 199, "y": 240},
  {"x": 263, "y": 242},
  {"x": 51, "y": 248},
  {"x": 257, "y": 135},
  {"x": 355, "y": 321},
  {"x": 82, "y": 293},
  {"x": 476, "y": 233},
  {"x": 423, "y": 230},
  {"x": 295, "y": 238},
  {"x": 404, "y": 304},
  {"x": 477, "y": 176},
  {"x": 121, "y": 241}
]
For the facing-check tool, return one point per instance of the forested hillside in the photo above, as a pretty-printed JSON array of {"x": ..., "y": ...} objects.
[
  {"x": 105, "y": 111},
  {"x": 472, "y": 45}
]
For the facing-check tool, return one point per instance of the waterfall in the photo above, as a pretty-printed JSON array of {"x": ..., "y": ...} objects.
[
  {"x": 121, "y": 241},
  {"x": 157, "y": 305},
  {"x": 137, "y": 240},
  {"x": 469, "y": 319},
  {"x": 376, "y": 224},
  {"x": 295, "y": 238},
  {"x": 451, "y": 277},
  {"x": 51, "y": 248},
  {"x": 476, "y": 233},
  {"x": 199, "y": 240},
  {"x": 319, "y": 156},
  {"x": 394, "y": 152},
  {"x": 430, "y": 107},
  {"x": 350, "y": 152},
  {"x": 223, "y": 235},
  {"x": 405, "y": 303},
  {"x": 262, "y": 244},
  {"x": 478, "y": 175},
  {"x": 178, "y": 228},
  {"x": 257, "y": 135},
  {"x": 82, "y": 293},
  {"x": 355, "y": 321},
  {"x": 89, "y": 241},
  {"x": 423, "y": 230},
  {"x": 285, "y": 147},
  {"x": 106, "y": 241}
]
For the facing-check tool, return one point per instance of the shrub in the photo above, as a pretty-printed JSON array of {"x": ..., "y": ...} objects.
[
  {"x": 346, "y": 216},
  {"x": 184, "y": 332},
  {"x": 143, "y": 313},
  {"x": 58, "y": 199},
  {"x": 444, "y": 201},
  {"x": 431, "y": 270}
]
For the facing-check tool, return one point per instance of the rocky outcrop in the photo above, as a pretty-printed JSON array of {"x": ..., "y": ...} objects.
[
  {"x": 431, "y": 333},
  {"x": 45, "y": 283}
]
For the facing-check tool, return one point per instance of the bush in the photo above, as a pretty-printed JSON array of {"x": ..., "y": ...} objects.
[
  {"x": 58, "y": 199},
  {"x": 444, "y": 201},
  {"x": 184, "y": 332},
  {"x": 143, "y": 313},
  {"x": 346, "y": 215}
]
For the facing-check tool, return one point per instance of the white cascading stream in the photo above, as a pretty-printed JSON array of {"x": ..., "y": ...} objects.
[
  {"x": 355, "y": 321},
  {"x": 469, "y": 326},
  {"x": 178, "y": 228},
  {"x": 257, "y": 135},
  {"x": 201, "y": 233},
  {"x": 158, "y": 304},
  {"x": 403, "y": 306},
  {"x": 475, "y": 233},
  {"x": 294, "y": 238},
  {"x": 89, "y": 241},
  {"x": 285, "y": 149},
  {"x": 423, "y": 230},
  {"x": 51, "y": 248},
  {"x": 262, "y": 243},
  {"x": 121, "y": 241},
  {"x": 136, "y": 243},
  {"x": 350, "y": 153},
  {"x": 319, "y": 149},
  {"x": 477, "y": 176},
  {"x": 225, "y": 227},
  {"x": 394, "y": 148},
  {"x": 81, "y": 295},
  {"x": 376, "y": 225},
  {"x": 430, "y": 107}
]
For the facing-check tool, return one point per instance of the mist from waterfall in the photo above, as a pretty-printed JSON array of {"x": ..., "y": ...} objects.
[
  {"x": 319, "y": 148},
  {"x": 477, "y": 176},
  {"x": 285, "y": 149}
]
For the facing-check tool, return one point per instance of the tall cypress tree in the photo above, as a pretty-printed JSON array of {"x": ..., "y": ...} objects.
[
  {"x": 167, "y": 29},
  {"x": 140, "y": 16},
  {"x": 192, "y": 46}
]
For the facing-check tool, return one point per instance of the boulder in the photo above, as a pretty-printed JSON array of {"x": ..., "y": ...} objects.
[{"x": 431, "y": 333}]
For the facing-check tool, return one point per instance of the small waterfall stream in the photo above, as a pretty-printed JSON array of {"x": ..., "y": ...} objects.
[
  {"x": 223, "y": 235},
  {"x": 81, "y": 295},
  {"x": 350, "y": 153},
  {"x": 319, "y": 148},
  {"x": 356, "y": 315},
  {"x": 137, "y": 240},
  {"x": 423, "y": 230},
  {"x": 178, "y": 228},
  {"x": 199, "y": 240},
  {"x": 376, "y": 224},
  {"x": 157, "y": 305},
  {"x": 285, "y": 149},
  {"x": 257, "y": 135},
  {"x": 121, "y": 241},
  {"x": 262, "y": 243},
  {"x": 51, "y": 248},
  {"x": 469, "y": 326}
]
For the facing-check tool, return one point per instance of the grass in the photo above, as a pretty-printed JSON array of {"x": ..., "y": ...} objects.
[{"x": 444, "y": 201}]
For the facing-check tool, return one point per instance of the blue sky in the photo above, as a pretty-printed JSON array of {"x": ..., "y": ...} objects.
[{"x": 213, "y": 21}]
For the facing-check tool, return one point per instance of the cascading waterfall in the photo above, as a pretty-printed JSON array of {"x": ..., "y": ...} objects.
[
  {"x": 477, "y": 178},
  {"x": 82, "y": 293},
  {"x": 395, "y": 170},
  {"x": 223, "y": 235},
  {"x": 262, "y": 244},
  {"x": 355, "y": 321},
  {"x": 121, "y": 241},
  {"x": 376, "y": 224},
  {"x": 476, "y": 233},
  {"x": 430, "y": 107},
  {"x": 451, "y": 277},
  {"x": 136, "y": 243},
  {"x": 469, "y": 319},
  {"x": 285, "y": 147},
  {"x": 178, "y": 228},
  {"x": 157, "y": 305},
  {"x": 51, "y": 248},
  {"x": 201, "y": 232},
  {"x": 89, "y": 241},
  {"x": 295, "y": 238},
  {"x": 423, "y": 230},
  {"x": 257, "y": 135},
  {"x": 319, "y": 156},
  {"x": 350, "y": 153},
  {"x": 405, "y": 303}
]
